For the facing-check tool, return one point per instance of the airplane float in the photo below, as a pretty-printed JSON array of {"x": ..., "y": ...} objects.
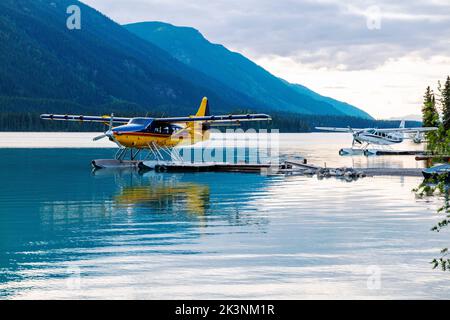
[
  {"x": 383, "y": 137},
  {"x": 133, "y": 135}
]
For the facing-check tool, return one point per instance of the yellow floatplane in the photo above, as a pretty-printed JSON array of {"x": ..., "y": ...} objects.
[{"x": 133, "y": 135}]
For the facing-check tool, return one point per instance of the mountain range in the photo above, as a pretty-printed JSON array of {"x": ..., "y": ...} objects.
[
  {"x": 146, "y": 68},
  {"x": 188, "y": 46}
]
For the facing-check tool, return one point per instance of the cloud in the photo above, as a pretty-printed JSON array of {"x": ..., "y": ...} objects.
[
  {"x": 324, "y": 33},
  {"x": 394, "y": 89}
]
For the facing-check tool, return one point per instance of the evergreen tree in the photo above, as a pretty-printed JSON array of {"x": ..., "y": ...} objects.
[
  {"x": 445, "y": 102},
  {"x": 430, "y": 115}
]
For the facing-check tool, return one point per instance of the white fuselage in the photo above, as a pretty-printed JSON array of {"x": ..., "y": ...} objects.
[{"x": 380, "y": 138}]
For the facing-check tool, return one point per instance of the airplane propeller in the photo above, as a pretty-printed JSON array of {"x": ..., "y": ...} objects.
[
  {"x": 109, "y": 133},
  {"x": 417, "y": 138},
  {"x": 100, "y": 137},
  {"x": 355, "y": 136}
]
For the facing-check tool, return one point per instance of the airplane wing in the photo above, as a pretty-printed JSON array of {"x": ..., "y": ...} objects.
[
  {"x": 221, "y": 118},
  {"x": 408, "y": 130},
  {"x": 81, "y": 118},
  {"x": 338, "y": 129},
  {"x": 405, "y": 130},
  {"x": 209, "y": 119}
]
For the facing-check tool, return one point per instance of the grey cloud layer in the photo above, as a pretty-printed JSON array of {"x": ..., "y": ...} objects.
[{"x": 322, "y": 33}]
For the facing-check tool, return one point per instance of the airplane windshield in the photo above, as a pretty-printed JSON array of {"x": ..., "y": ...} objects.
[{"x": 140, "y": 121}]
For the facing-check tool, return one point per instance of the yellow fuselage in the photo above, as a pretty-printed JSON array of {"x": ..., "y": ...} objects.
[
  {"x": 140, "y": 140},
  {"x": 145, "y": 140}
]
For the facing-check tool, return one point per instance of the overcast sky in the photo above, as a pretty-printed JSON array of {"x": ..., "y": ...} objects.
[{"x": 376, "y": 55}]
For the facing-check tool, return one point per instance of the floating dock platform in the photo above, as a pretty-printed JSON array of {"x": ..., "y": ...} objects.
[
  {"x": 430, "y": 157},
  {"x": 178, "y": 166},
  {"x": 377, "y": 152},
  {"x": 287, "y": 167},
  {"x": 397, "y": 152},
  {"x": 405, "y": 172}
]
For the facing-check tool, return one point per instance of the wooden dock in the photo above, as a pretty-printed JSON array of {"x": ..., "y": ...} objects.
[
  {"x": 378, "y": 152},
  {"x": 399, "y": 153},
  {"x": 405, "y": 172},
  {"x": 287, "y": 167},
  {"x": 433, "y": 157},
  {"x": 303, "y": 165},
  {"x": 177, "y": 166}
]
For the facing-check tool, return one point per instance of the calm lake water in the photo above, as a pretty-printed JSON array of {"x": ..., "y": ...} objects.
[{"x": 69, "y": 233}]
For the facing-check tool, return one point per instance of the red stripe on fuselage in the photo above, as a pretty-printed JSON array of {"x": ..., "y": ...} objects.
[{"x": 142, "y": 134}]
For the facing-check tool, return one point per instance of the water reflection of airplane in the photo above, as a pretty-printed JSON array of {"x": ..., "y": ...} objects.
[
  {"x": 156, "y": 191},
  {"x": 155, "y": 134},
  {"x": 192, "y": 197},
  {"x": 382, "y": 137}
]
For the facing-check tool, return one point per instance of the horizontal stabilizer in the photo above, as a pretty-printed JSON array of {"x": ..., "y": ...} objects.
[{"x": 406, "y": 130}]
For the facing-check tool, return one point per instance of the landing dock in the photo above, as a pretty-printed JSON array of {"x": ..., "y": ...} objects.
[
  {"x": 412, "y": 172},
  {"x": 287, "y": 167},
  {"x": 177, "y": 166},
  {"x": 398, "y": 153},
  {"x": 405, "y": 172},
  {"x": 378, "y": 152}
]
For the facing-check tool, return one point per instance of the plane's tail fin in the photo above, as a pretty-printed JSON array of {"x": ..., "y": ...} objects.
[
  {"x": 402, "y": 124},
  {"x": 198, "y": 129},
  {"x": 204, "y": 108}
]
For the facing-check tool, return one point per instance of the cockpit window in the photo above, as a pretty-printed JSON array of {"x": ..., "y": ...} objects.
[
  {"x": 140, "y": 121},
  {"x": 163, "y": 128}
]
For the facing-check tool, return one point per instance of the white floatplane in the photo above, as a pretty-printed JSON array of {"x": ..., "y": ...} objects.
[{"x": 382, "y": 137}]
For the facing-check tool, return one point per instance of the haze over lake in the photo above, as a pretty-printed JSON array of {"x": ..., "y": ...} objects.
[{"x": 67, "y": 232}]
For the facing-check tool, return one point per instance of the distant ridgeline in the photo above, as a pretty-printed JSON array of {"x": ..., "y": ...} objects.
[
  {"x": 153, "y": 69},
  {"x": 30, "y": 109}
]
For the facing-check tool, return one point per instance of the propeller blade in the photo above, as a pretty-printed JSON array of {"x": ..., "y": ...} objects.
[
  {"x": 108, "y": 133},
  {"x": 111, "y": 121},
  {"x": 100, "y": 137}
]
